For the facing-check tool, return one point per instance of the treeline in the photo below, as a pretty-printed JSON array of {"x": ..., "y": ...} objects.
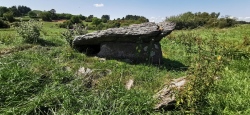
[
  {"x": 104, "y": 22},
  {"x": 191, "y": 20},
  {"x": 7, "y": 15}
]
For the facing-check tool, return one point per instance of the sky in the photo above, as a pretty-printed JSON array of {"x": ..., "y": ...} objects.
[{"x": 154, "y": 10}]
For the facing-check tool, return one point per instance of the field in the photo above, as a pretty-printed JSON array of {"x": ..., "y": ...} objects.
[{"x": 43, "y": 79}]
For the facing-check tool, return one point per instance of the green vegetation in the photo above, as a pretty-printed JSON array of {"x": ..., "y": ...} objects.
[
  {"x": 34, "y": 78},
  {"x": 29, "y": 31},
  {"x": 191, "y": 20},
  {"x": 39, "y": 68}
]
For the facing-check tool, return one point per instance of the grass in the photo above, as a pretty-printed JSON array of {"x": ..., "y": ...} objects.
[{"x": 43, "y": 79}]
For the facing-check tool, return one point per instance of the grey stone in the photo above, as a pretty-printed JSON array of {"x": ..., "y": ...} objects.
[
  {"x": 144, "y": 32},
  {"x": 133, "y": 51},
  {"x": 90, "y": 77},
  {"x": 137, "y": 42},
  {"x": 166, "y": 96}
]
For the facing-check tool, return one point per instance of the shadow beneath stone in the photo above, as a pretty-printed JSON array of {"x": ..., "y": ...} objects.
[
  {"x": 168, "y": 64},
  {"x": 173, "y": 65},
  {"x": 89, "y": 50}
]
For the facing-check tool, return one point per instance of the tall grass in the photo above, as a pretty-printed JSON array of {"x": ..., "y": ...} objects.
[{"x": 43, "y": 79}]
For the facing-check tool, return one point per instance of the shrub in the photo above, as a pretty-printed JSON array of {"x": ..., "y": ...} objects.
[
  {"x": 207, "y": 63},
  {"x": 75, "y": 19},
  {"x": 78, "y": 29},
  {"x": 66, "y": 24},
  {"x": 4, "y": 24},
  {"x": 46, "y": 16},
  {"x": 7, "y": 38},
  {"x": 29, "y": 31},
  {"x": 9, "y": 16},
  {"x": 32, "y": 14},
  {"x": 191, "y": 20}
]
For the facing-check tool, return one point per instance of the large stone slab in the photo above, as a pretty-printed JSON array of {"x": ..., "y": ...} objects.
[
  {"x": 138, "y": 42},
  {"x": 145, "y": 32}
]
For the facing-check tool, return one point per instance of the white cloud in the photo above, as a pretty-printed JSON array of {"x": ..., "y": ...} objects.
[
  {"x": 156, "y": 19},
  {"x": 98, "y": 5},
  {"x": 247, "y": 19}
]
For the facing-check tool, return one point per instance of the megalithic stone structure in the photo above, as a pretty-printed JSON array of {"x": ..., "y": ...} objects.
[{"x": 137, "y": 42}]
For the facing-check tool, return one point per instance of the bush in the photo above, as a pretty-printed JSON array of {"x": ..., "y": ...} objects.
[
  {"x": 226, "y": 22},
  {"x": 32, "y": 14},
  {"x": 66, "y": 24},
  {"x": 9, "y": 16},
  {"x": 75, "y": 19},
  {"x": 78, "y": 29},
  {"x": 29, "y": 31},
  {"x": 4, "y": 24},
  {"x": 207, "y": 62},
  {"x": 46, "y": 16},
  {"x": 191, "y": 20}
]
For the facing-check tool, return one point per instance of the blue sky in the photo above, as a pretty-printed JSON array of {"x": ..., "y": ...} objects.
[{"x": 154, "y": 10}]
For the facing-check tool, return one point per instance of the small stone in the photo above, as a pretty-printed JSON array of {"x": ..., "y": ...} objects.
[
  {"x": 145, "y": 48},
  {"x": 84, "y": 71},
  {"x": 67, "y": 68},
  {"x": 156, "y": 47},
  {"x": 129, "y": 84},
  {"x": 166, "y": 95}
]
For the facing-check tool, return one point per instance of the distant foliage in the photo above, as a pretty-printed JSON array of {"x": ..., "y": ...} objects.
[
  {"x": 46, "y": 16},
  {"x": 29, "y": 31},
  {"x": 4, "y": 24},
  {"x": 64, "y": 16},
  {"x": 75, "y": 19},
  {"x": 135, "y": 17},
  {"x": 105, "y": 18},
  {"x": 66, "y": 24},
  {"x": 32, "y": 14},
  {"x": 191, "y": 20},
  {"x": 89, "y": 18},
  {"x": 23, "y": 9},
  {"x": 69, "y": 24},
  {"x": 242, "y": 22},
  {"x": 9, "y": 16},
  {"x": 96, "y": 21},
  {"x": 82, "y": 17},
  {"x": 3, "y": 10}
]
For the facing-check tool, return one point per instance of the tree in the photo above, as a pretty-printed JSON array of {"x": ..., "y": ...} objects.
[
  {"x": 82, "y": 17},
  {"x": 107, "y": 17},
  {"x": 3, "y": 10},
  {"x": 89, "y": 19},
  {"x": 46, "y": 16},
  {"x": 75, "y": 19},
  {"x": 23, "y": 9},
  {"x": 15, "y": 11},
  {"x": 96, "y": 21},
  {"x": 32, "y": 14},
  {"x": 191, "y": 20},
  {"x": 53, "y": 11},
  {"x": 104, "y": 20},
  {"x": 9, "y": 16},
  {"x": 53, "y": 14}
]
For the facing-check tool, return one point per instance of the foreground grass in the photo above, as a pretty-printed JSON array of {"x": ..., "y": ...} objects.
[
  {"x": 43, "y": 79},
  {"x": 35, "y": 80}
]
